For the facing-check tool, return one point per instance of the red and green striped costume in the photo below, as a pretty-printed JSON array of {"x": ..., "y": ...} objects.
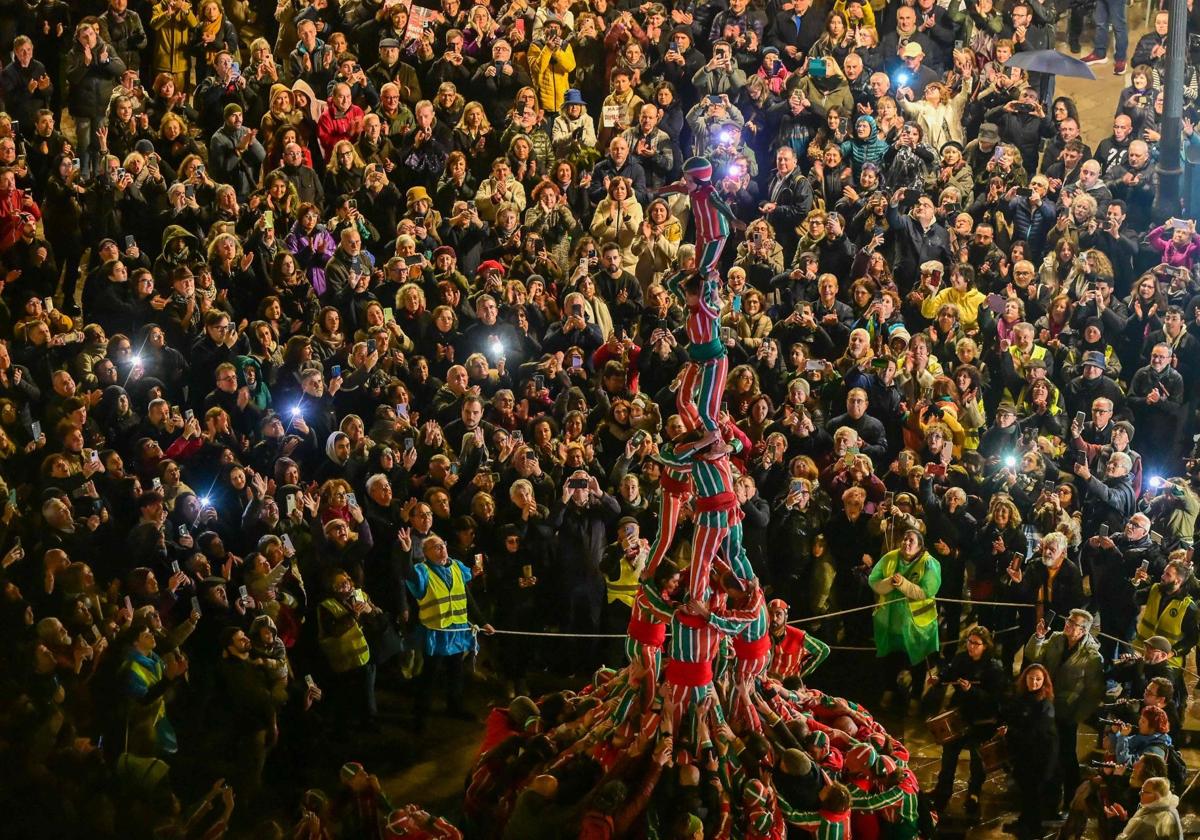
[
  {"x": 698, "y": 398},
  {"x": 711, "y": 215},
  {"x": 675, "y": 484},
  {"x": 796, "y": 652}
]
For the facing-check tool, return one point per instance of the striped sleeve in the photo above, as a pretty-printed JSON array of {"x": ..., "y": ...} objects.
[{"x": 817, "y": 652}]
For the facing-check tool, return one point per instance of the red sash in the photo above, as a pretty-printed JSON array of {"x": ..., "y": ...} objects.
[
  {"x": 693, "y": 674},
  {"x": 756, "y": 649},
  {"x": 647, "y": 632},
  {"x": 722, "y": 501}
]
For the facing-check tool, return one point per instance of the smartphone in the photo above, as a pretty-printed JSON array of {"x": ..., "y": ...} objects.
[
  {"x": 287, "y": 543},
  {"x": 335, "y": 371},
  {"x": 352, "y": 203},
  {"x": 577, "y": 483},
  {"x": 577, "y": 310},
  {"x": 576, "y": 362},
  {"x": 12, "y": 497},
  {"x": 527, "y": 571},
  {"x": 36, "y": 428},
  {"x": 243, "y": 594},
  {"x": 517, "y": 436},
  {"x": 814, "y": 364},
  {"x": 539, "y": 382},
  {"x": 737, "y": 303},
  {"x": 351, "y": 500},
  {"x": 309, "y": 681},
  {"x": 183, "y": 530},
  {"x": 174, "y": 567},
  {"x": 1024, "y": 192},
  {"x": 1080, "y": 417},
  {"x": 75, "y": 163},
  {"x": 388, "y": 315},
  {"x": 478, "y": 563},
  {"x": 156, "y": 483},
  {"x": 190, "y": 191},
  {"x": 889, "y": 497},
  {"x": 195, "y": 604},
  {"x": 372, "y": 346},
  {"x": 128, "y": 604},
  {"x": 48, "y": 304},
  {"x": 1102, "y": 531},
  {"x": 726, "y": 335},
  {"x": 189, "y": 415},
  {"x": 290, "y": 503}
]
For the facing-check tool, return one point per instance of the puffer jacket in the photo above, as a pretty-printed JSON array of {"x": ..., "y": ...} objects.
[
  {"x": 550, "y": 71},
  {"x": 1077, "y": 675}
]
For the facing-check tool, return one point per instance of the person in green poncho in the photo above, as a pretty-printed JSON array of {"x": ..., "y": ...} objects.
[{"x": 906, "y": 581}]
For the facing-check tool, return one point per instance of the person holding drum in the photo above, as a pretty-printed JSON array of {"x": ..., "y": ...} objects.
[{"x": 980, "y": 686}]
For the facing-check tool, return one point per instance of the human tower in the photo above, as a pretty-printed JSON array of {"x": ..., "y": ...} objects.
[{"x": 705, "y": 669}]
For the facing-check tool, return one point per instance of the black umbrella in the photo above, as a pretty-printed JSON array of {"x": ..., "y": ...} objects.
[{"x": 1051, "y": 62}]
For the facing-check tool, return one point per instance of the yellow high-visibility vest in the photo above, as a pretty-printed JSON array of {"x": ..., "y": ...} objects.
[
  {"x": 1157, "y": 621},
  {"x": 624, "y": 588},
  {"x": 444, "y": 606},
  {"x": 349, "y": 650}
]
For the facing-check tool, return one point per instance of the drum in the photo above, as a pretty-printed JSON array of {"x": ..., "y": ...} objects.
[
  {"x": 994, "y": 754},
  {"x": 946, "y": 727}
]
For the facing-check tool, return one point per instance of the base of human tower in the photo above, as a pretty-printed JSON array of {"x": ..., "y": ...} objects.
[{"x": 687, "y": 753}]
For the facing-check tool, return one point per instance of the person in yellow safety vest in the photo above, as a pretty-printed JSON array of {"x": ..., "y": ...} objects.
[
  {"x": 622, "y": 566},
  {"x": 906, "y": 620},
  {"x": 444, "y": 611},
  {"x": 145, "y": 679},
  {"x": 342, "y": 640},
  {"x": 1170, "y": 612}
]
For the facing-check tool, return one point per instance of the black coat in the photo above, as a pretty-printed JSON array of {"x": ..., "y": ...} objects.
[{"x": 1032, "y": 737}]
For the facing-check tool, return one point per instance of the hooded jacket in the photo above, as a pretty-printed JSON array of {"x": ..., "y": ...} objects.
[
  {"x": 1159, "y": 819},
  {"x": 870, "y": 150},
  {"x": 168, "y": 259}
]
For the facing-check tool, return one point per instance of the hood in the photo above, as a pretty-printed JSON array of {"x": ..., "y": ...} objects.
[
  {"x": 316, "y": 106},
  {"x": 869, "y": 120},
  {"x": 107, "y": 410},
  {"x": 1167, "y": 802},
  {"x": 244, "y": 362},
  {"x": 279, "y": 88},
  {"x": 174, "y": 232},
  {"x": 330, "y": 447}
]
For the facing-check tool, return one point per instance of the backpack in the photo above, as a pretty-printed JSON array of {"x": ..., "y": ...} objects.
[{"x": 1177, "y": 769}]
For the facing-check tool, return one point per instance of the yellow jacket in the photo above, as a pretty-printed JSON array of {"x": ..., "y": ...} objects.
[
  {"x": 967, "y": 302},
  {"x": 550, "y": 70}
]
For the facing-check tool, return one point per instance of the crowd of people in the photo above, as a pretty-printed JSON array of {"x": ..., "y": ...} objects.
[{"x": 340, "y": 338}]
